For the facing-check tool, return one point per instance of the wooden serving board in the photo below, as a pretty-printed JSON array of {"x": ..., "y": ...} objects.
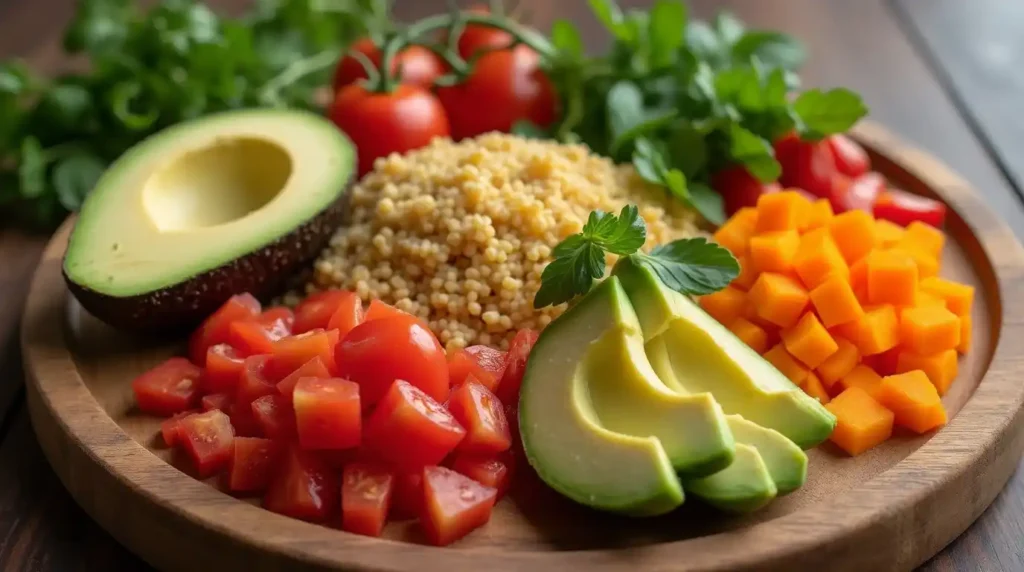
[{"x": 889, "y": 509}]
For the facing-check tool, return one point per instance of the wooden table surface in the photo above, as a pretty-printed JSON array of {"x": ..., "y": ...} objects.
[{"x": 947, "y": 75}]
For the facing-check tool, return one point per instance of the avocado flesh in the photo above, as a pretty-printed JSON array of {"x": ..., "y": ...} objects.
[
  {"x": 693, "y": 353},
  {"x": 562, "y": 436},
  {"x": 786, "y": 462},
  {"x": 206, "y": 209},
  {"x": 744, "y": 486}
]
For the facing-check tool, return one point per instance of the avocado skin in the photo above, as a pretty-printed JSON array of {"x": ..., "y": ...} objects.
[{"x": 263, "y": 273}]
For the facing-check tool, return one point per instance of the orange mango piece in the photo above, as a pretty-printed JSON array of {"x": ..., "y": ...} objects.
[
  {"x": 839, "y": 364},
  {"x": 859, "y": 279},
  {"x": 817, "y": 258},
  {"x": 941, "y": 368},
  {"x": 913, "y": 400},
  {"x": 778, "y": 299},
  {"x": 809, "y": 341},
  {"x": 965, "y": 334},
  {"x": 812, "y": 386},
  {"x": 863, "y": 377},
  {"x": 819, "y": 215},
  {"x": 787, "y": 364},
  {"x": 926, "y": 300},
  {"x": 726, "y": 305},
  {"x": 854, "y": 233},
  {"x": 892, "y": 278},
  {"x": 924, "y": 238},
  {"x": 774, "y": 251},
  {"x": 745, "y": 279},
  {"x": 878, "y": 330},
  {"x": 861, "y": 422},
  {"x": 887, "y": 233},
  {"x": 959, "y": 297},
  {"x": 784, "y": 210},
  {"x": 735, "y": 234},
  {"x": 929, "y": 330},
  {"x": 926, "y": 265},
  {"x": 835, "y": 302},
  {"x": 751, "y": 334}
]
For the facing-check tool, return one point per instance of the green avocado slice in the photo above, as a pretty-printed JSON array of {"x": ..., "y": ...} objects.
[
  {"x": 744, "y": 486},
  {"x": 693, "y": 353},
  {"x": 786, "y": 462}
]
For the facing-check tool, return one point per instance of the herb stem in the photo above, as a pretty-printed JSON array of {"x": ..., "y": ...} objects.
[{"x": 300, "y": 69}]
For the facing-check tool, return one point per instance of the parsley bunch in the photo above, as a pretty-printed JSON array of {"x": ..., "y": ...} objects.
[
  {"x": 690, "y": 266},
  {"x": 683, "y": 99},
  {"x": 148, "y": 70}
]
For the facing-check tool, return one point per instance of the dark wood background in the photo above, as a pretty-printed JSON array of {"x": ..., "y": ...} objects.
[{"x": 947, "y": 75}]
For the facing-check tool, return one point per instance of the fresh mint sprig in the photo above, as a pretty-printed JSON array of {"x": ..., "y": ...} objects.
[{"x": 690, "y": 265}]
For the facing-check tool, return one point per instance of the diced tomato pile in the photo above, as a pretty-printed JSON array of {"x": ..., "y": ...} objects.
[
  {"x": 334, "y": 414},
  {"x": 836, "y": 169}
]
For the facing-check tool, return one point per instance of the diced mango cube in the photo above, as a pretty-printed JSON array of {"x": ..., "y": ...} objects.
[
  {"x": 778, "y": 299},
  {"x": 812, "y": 386},
  {"x": 774, "y": 251},
  {"x": 787, "y": 364},
  {"x": 817, "y": 258},
  {"x": 891, "y": 278},
  {"x": 819, "y": 215},
  {"x": 859, "y": 279},
  {"x": 735, "y": 234},
  {"x": 929, "y": 330},
  {"x": 965, "y": 334},
  {"x": 809, "y": 341},
  {"x": 878, "y": 330},
  {"x": 784, "y": 210},
  {"x": 958, "y": 297},
  {"x": 926, "y": 265},
  {"x": 888, "y": 232},
  {"x": 863, "y": 377},
  {"x": 751, "y": 334},
  {"x": 913, "y": 400},
  {"x": 861, "y": 422},
  {"x": 941, "y": 368},
  {"x": 839, "y": 364},
  {"x": 745, "y": 279},
  {"x": 854, "y": 233},
  {"x": 924, "y": 238},
  {"x": 725, "y": 305},
  {"x": 835, "y": 302},
  {"x": 926, "y": 300}
]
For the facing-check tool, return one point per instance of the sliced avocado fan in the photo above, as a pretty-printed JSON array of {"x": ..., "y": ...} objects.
[{"x": 744, "y": 486}]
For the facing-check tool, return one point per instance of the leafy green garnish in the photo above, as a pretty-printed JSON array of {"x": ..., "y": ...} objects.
[{"x": 691, "y": 266}]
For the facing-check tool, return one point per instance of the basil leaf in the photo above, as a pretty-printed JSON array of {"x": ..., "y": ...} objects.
[
  {"x": 31, "y": 168},
  {"x": 667, "y": 31},
  {"x": 754, "y": 153},
  {"x": 774, "y": 49},
  {"x": 823, "y": 113},
  {"x": 692, "y": 266},
  {"x": 74, "y": 177},
  {"x": 625, "y": 107},
  {"x": 566, "y": 38}
]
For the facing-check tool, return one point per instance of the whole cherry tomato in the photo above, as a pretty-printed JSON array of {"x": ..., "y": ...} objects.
[
  {"x": 504, "y": 87},
  {"x": 477, "y": 37},
  {"x": 739, "y": 188},
  {"x": 383, "y": 123},
  {"x": 419, "y": 66}
]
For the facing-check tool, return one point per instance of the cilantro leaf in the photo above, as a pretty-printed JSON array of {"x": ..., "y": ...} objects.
[
  {"x": 823, "y": 113},
  {"x": 692, "y": 265}
]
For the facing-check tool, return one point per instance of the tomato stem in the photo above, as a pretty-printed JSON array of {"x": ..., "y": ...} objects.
[{"x": 298, "y": 70}]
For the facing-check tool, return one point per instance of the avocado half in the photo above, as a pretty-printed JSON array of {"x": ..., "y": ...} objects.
[{"x": 228, "y": 203}]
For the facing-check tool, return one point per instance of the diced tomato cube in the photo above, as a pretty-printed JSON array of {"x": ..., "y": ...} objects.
[
  {"x": 316, "y": 310},
  {"x": 482, "y": 416},
  {"x": 454, "y": 505},
  {"x": 292, "y": 352},
  {"x": 255, "y": 382},
  {"x": 252, "y": 338},
  {"x": 216, "y": 401},
  {"x": 208, "y": 439},
  {"x": 170, "y": 428},
  {"x": 279, "y": 319},
  {"x": 252, "y": 464},
  {"x": 365, "y": 498},
  {"x": 495, "y": 472},
  {"x": 378, "y": 310},
  {"x": 302, "y": 487},
  {"x": 347, "y": 315},
  {"x": 312, "y": 368},
  {"x": 851, "y": 159},
  {"x": 515, "y": 366},
  {"x": 327, "y": 413},
  {"x": 215, "y": 329},
  {"x": 224, "y": 365},
  {"x": 484, "y": 364},
  {"x": 410, "y": 430},
  {"x": 243, "y": 420},
  {"x": 168, "y": 388},
  {"x": 274, "y": 415},
  {"x": 407, "y": 498}
]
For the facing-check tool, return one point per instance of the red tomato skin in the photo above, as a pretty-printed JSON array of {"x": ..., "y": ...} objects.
[
  {"x": 419, "y": 65},
  {"x": 860, "y": 193},
  {"x": 293, "y": 352},
  {"x": 377, "y": 310},
  {"x": 348, "y": 314},
  {"x": 494, "y": 472},
  {"x": 280, "y": 318},
  {"x": 378, "y": 352},
  {"x": 366, "y": 490},
  {"x": 274, "y": 415},
  {"x": 903, "y": 208},
  {"x": 851, "y": 159},
  {"x": 739, "y": 188},
  {"x": 482, "y": 416},
  {"x": 884, "y": 363},
  {"x": 454, "y": 505},
  {"x": 219, "y": 401},
  {"x": 515, "y": 366},
  {"x": 215, "y": 329},
  {"x": 316, "y": 310},
  {"x": 254, "y": 383},
  {"x": 383, "y": 123},
  {"x": 224, "y": 367},
  {"x": 407, "y": 497},
  {"x": 505, "y": 86},
  {"x": 477, "y": 37},
  {"x": 302, "y": 487},
  {"x": 243, "y": 420},
  {"x": 312, "y": 368},
  {"x": 252, "y": 464},
  {"x": 327, "y": 413},
  {"x": 809, "y": 166},
  {"x": 169, "y": 388},
  {"x": 208, "y": 439},
  {"x": 486, "y": 365},
  {"x": 410, "y": 430},
  {"x": 251, "y": 338},
  {"x": 170, "y": 428}
]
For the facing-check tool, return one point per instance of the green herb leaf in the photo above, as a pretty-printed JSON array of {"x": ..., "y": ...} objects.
[
  {"x": 625, "y": 104},
  {"x": 74, "y": 177},
  {"x": 771, "y": 48},
  {"x": 32, "y": 168},
  {"x": 705, "y": 44},
  {"x": 125, "y": 99},
  {"x": 623, "y": 234},
  {"x": 566, "y": 38},
  {"x": 688, "y": 150},
  {"x": 728, "y": 27},
  {"x": 528, "y": 129},
  {"x": 643, "y": 128},
  {"x": 708, "y": 202},
  {"x": 608, "y": 12},
  {"x": 754, "y": 153},
  {"x": 823, "y": 113},
  {"x": 692, "y": 266},
  {"x": 649, "y": 162},
  {"x": 667, "y": 31},
  {"x": 66, "y": 107}
]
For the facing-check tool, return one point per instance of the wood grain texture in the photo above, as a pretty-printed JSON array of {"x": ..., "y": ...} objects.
[
  {"x": 906, "y": 499},
  {"x": 19, "y": 253}
]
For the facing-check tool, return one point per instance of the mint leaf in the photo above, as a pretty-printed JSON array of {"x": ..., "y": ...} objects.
[
  {"x": 32, "y": 168},
  {"x": 822, "y": 113},
  {"x": 621, "y": 235},
  {"x": 625, "y": 106},
  {"x": 692, "y": 266},
  {"x": 754, "y": 153},
  {"x": 667, "y": 31},
  {"x": 566, "y": 38},
  {"x": 773, "y": 49}
]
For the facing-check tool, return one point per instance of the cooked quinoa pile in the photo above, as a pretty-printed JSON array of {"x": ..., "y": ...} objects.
[{"x": 459, "y": 233}]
